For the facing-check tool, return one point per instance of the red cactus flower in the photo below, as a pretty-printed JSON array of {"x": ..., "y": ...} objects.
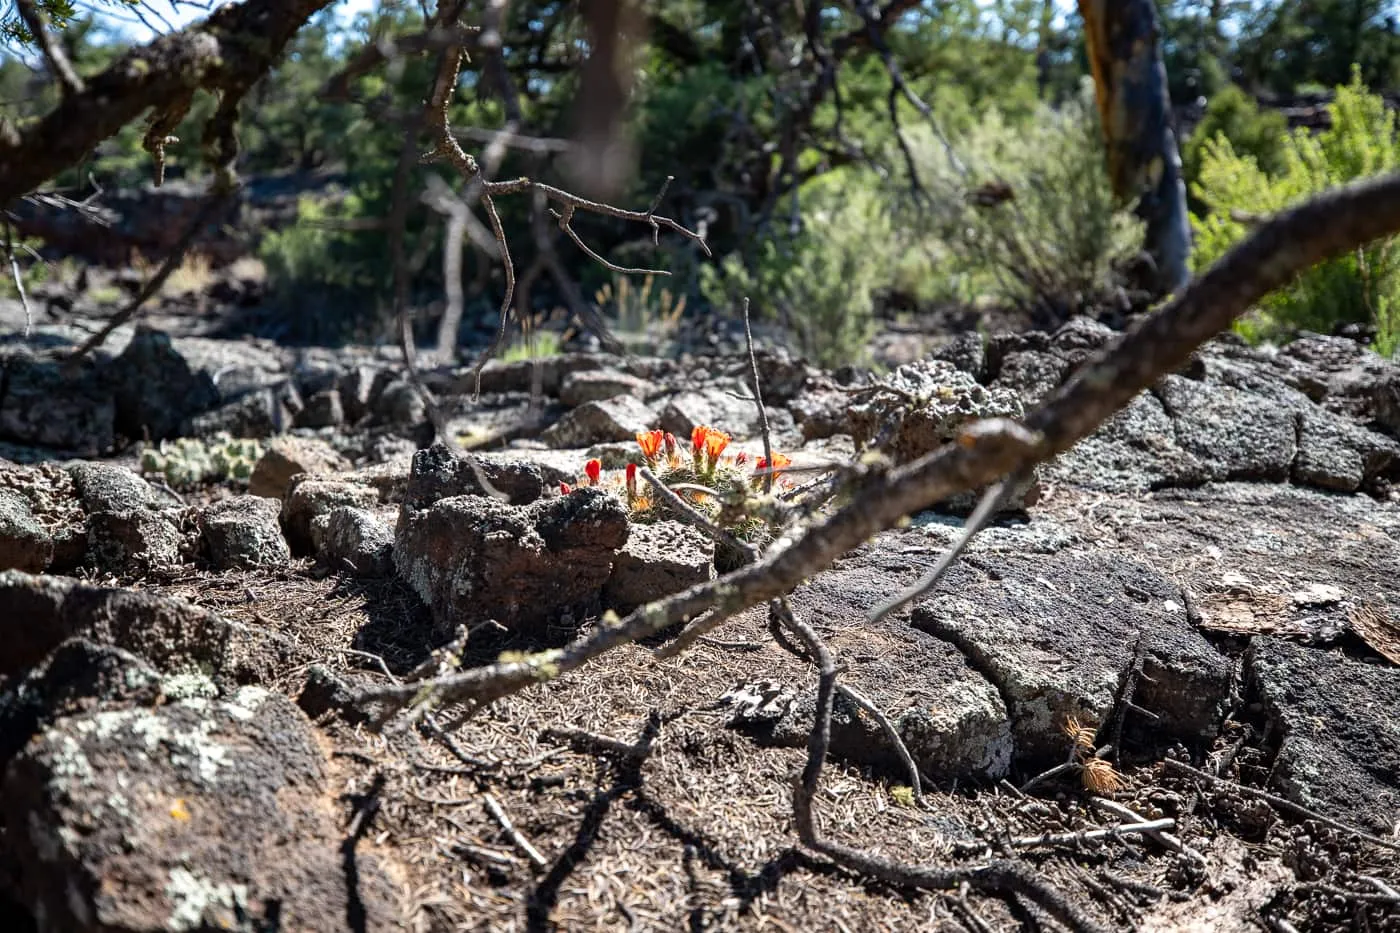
[
  {"x": 631, "y": 482},
  {"x": 741, "y": 458},
  {"x": 594, "y": 469},
  {"x": 650, "y": 442},
  {"x": 565, "y": 489},
  {"x": 779, "y": 461},
  {"x": 671, "y": 447}
]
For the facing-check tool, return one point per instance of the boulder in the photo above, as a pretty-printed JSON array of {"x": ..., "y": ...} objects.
[
  {"x": 614, "y": 419},
  {"x": 106, "y": 487},
  {"x": 285, "y": 457},
  {"x": 356, "y": 538},
  {"x": 923, "y": 405},
  {"x": 1338, "y": 745},
  {"x": 24, "y": 543},
  {"x": 951, "y": 718},
  {"x": 41, "y": 405},
  {"x": 1058, "y": 635},
  {"x": 439, "y": 472},
  {"x": 260, "y": 413},
  {"x": 310, "y": 497},
  {"x": 170, "y": 634},
  {"x": 136, "y": 541},
  {"x": 157, "y": 389},
  {"x": 54, "y": 503},
  {"x": 658, "y": 560},
  {"x": 594, "y": 385},
  {"x": 323, "y": 410},
  {"x": 205, "y": 812},
  {"x": 243, "y": 532},
  {"x": 473, "y": 558}
]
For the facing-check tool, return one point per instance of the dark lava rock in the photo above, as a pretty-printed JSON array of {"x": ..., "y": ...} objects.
[
  {"x": 285, "y": 457},
  {"x": 951, "y": 718},
  {"x": 136, "y": 541},
  {"x": 440, "y": 472},
  {"x": 263, "y": 412},
  {"x": 597, "y": 384},
  {"x": 79, "y": 675},
  {"x": 309, "y": 497},
  {"x": 104, "y": 487},
  {"x": 1233, "y": 433},
  {"x": 43, "y": 406},
  {"x": 243, "y": 532},
  {"x": 41, "y": 612},
  {"x": 619, "y": 418},
  {"x": 923, "y": 405},
  {"x": 1058, "y": 635},
  {"x": 323, "y": 410},
  {"x": 520, "y": 376},
  {"x": 356, "y": 538},
  {"x": 206, "y": 812},
  {"x": 1340, "y": 752},
  {"x": 658, "y": 560},
  {"x": 54, "y": 503},
  {"x": 1135, "y": 450},
  {"x": 473, "y": 558},
  {"x": 156, "y": 387},
  {"x": 24, "y": 543}
]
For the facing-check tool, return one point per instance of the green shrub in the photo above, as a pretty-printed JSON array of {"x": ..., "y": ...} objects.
[
  {"x": 1055, "y": 244},
  {"x": 1235, "y": 115},
  {"x": 1362, "y": 288},
  {"x": 821, "y": 283}
]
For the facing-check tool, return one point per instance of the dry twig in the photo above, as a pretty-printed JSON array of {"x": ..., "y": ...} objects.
[{"x": 1281, "y": 803}]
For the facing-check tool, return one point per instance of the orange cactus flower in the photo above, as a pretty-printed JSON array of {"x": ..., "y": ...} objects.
[
  {"x": 594, "y": 469},
  {"x": 715, "y": 442},
  {"x": 650, "y": 442},
  {"x": 706, "y": 444}
]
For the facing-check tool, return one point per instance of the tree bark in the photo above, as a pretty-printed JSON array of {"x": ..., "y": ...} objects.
[{"x": 1130, "y": 80}]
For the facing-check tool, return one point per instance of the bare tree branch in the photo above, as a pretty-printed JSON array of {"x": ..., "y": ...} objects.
[
  {"x": 34, "y": 21},
  {"x": 225, "y": 54}
]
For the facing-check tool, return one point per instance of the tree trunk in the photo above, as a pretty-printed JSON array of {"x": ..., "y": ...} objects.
[{"x": 1143, "y": 163}]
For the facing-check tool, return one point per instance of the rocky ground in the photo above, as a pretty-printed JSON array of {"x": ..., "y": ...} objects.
[{"x": 1188, "y": 617}]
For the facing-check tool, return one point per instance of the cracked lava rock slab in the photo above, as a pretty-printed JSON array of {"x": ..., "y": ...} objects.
[
  {"x": 1057, "y": 635},
  {"x": 1340, "y": 751}
]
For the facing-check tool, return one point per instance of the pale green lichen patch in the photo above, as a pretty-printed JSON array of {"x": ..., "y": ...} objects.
[
  {"x": 198, "y": 903},
  {"x": 187, "y": 686}
]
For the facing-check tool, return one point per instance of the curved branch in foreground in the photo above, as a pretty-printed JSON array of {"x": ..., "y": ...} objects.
[
  {"x": 227, "y": 53},
  {"x": 1329, "y": 225}
]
